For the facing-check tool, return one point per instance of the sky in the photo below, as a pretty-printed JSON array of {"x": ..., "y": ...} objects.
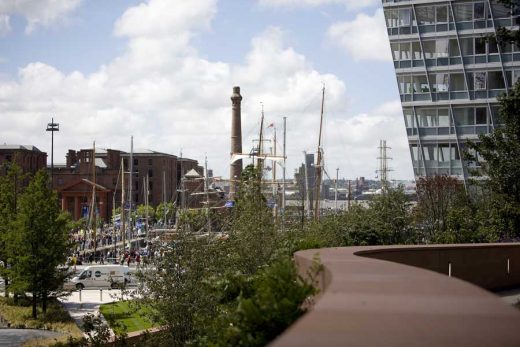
[{"x": 162, "y": 71}]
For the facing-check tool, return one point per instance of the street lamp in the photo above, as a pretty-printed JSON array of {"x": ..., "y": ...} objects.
[{"x": 52, "y": 127}]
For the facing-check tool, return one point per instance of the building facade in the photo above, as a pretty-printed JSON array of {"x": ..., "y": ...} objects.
[
  {"x": 154, "y": 173},
  {"x": 450, "y": 70},
  {"x": 29, "y": 158}
]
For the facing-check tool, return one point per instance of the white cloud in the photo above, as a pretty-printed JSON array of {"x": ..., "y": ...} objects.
[
  {"x": 350, "y": 4},
  {"x": 38, "y": 13},
  {"x": 364, "y": 38},
  {"x": 161, "y": 91},
  {"x": 5, "y": 26}
]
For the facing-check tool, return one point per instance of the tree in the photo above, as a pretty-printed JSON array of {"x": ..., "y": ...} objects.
[
  {"x": 41, "y": 243},
  {"x": 10, "y": 189},
  {"x": 436, "y": 196},
  {"x": 498, "y": 154},
  {"x": 170, "y": 212}
]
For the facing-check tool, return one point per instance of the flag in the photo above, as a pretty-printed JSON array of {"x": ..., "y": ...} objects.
[{"x": 270, "y": 125}]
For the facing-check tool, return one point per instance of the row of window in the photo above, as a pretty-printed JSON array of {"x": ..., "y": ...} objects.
[
  {"x": 440, "y": 117},
  {"x": 432, "y": 18},
  {"x": 448, "y": 48},
  {"x": 456, "y": 82}
]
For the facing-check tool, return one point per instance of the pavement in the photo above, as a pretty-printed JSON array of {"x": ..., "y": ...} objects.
[{"x": 81, "y": 303}]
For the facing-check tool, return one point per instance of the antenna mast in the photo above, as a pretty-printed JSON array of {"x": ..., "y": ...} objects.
[
  {"x": 383, "y": 164},
  {"x": 319, "y": 160}
]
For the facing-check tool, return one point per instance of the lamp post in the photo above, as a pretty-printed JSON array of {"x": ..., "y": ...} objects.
[{"x": 52, "y": 127}]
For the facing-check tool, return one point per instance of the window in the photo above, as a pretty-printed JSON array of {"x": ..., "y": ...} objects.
[
  {"x": 479, "y": 10},
  {"x": 420, "y": 84},
  {"x": 480, "y": 80},
  {"x": 427, "y": 118},
  {"x": 415, "y": 153},
  {"x": 480, "y": 45},
  {"x": 466, "y": 45},
  {"x": 463, "y": 12},
  {"x": 444, "y": 153},
  {"x": 516, "y": 76},
  {"x": 391, "y": 18},
  {"x": 150, "y": 162},
  {"x": 443, "y": 117},
  {"x": 442, "y": 14},
  {"x": 463, "y": 116},
  {"x": 441, "y": 48},
  {"x": 457, "y": 82},
  {"x": 429, "y": 49},
  {"x": 136, "y": 162},
  {"x": 405, "y": 85},
  {"x": 480, "y": 115},
  {"x": 440, "y": 82},
  {"x": 425, "y": 15},
  {"x": 495, "y": 80},
  {"x": 404, "y": 17},
  {"x": 454, "y": 48},
  {"x": 499, "y": 10},
  {"x": 150, "y": 173},
  {"x": 408, "y": 117},
  {"x": 395, "y": 51},
  {"x": 492, "y": 45},
  {"x": 416, "y": 50},
  {"x": 404, "y": 49}
]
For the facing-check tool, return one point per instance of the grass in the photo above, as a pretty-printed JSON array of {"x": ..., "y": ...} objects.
[
  {"x": 125, "y": 317},
  {"x": 57, "y": 319}
]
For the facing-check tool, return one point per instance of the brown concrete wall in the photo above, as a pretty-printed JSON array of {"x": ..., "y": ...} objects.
[
  {"x": 367, "y": 300},
  {"x": 484, "y": 265}
]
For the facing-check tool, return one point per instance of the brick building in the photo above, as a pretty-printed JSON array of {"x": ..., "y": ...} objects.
[
  {"x": 29, "y": 158},
  {"x": 74, "y": 181}
]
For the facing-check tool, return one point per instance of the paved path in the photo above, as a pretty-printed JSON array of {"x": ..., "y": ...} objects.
[
  {"x": 15, "y": 337},
  {"x": 88, "y": 301}
]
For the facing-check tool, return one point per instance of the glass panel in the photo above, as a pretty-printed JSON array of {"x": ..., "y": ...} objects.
[
  {"x": 416, "y": 49},
  {"x": 441, "y": 48},
  {"x": 429, "y": 49},
  {"x": 427, "y": 118},
  {"x": 480, "y": 115},
  {"x": 454, "y": 48},
  {"x": 408, "y": 117},
  {"x": 420, "y": 84},
  {"x": 480, "y": 80},
  {"x": 492, "y": 45},
  {"x": 405, "y": 85},
  {"x": 457, "y": 82},
  {"x": 395, "y": 50},
  {"x": 480, "y": 45},
  {"x": 479, "y": 11},
  {"x": 404, "y": 17},
  {"x": 463, "y": 116},
  {"x": 499, "y": 10},
  {"x": 454, "y": 155},
  {"x": 442, "y": 14},
  {"x": 440, "y": 82},
  {"x": 415, "y": 153},
  {"x": 466, "y": 45},
  {"x": 425, "y": 15},
  {"x": 516, "y": 76},
  {"x": 391, "y": 18},
  {"x": 404, "y": 49},
  {"x": 495, "y": 80},
  {"x": 463, "y": 12},
  {"x": 443, "y": 117},
  {"x": 444, "y": 153}
]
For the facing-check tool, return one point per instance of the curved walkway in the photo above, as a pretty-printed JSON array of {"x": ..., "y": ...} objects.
[
  {"x": 371, "y": 298},
  {"x": 15, "y": 337}
]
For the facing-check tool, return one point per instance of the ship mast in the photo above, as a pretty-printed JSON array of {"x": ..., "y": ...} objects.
[{"x": 319, "y": 161}]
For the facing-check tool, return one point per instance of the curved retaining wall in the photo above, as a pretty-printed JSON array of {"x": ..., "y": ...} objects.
[{"x": 371, "y": 296}]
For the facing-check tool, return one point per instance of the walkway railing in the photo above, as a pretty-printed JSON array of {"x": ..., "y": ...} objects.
[{"x": 371, "y": 296}]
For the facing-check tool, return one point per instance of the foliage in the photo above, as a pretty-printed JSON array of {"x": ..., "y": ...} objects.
[
  {"x": 57, "y": 318},
  {"x": 123, "y": 317},
  {"x": 142, "y": 210},
  {"x": 40, "y": 243},
  {"x": 499, "y": 157},
  {"x": 257, "y": 309},
  {"x": 10, "y": 190},
  {"x": 170, "y": 211}
]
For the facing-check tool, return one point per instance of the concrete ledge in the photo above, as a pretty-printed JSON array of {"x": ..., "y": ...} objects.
[{"x": 371, "y": 296}]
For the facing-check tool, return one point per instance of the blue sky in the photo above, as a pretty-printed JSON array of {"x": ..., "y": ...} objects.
[{"x": 163, "y": 70}]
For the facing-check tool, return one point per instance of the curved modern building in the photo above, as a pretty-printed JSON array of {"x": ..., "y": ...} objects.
[{"x": 450, "y": 70}]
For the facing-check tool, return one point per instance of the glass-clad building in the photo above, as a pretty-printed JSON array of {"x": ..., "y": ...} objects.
[{"x": 449, "y": 70}]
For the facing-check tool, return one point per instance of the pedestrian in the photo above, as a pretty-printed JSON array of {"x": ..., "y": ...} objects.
[{"x": 128, "y": 259}]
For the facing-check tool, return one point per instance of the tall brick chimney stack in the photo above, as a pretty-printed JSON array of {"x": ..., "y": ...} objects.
[{"x": 236, "y": 141}]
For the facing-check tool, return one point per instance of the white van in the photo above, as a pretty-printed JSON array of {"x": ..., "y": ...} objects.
[{"x": 112, "y": 276}]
